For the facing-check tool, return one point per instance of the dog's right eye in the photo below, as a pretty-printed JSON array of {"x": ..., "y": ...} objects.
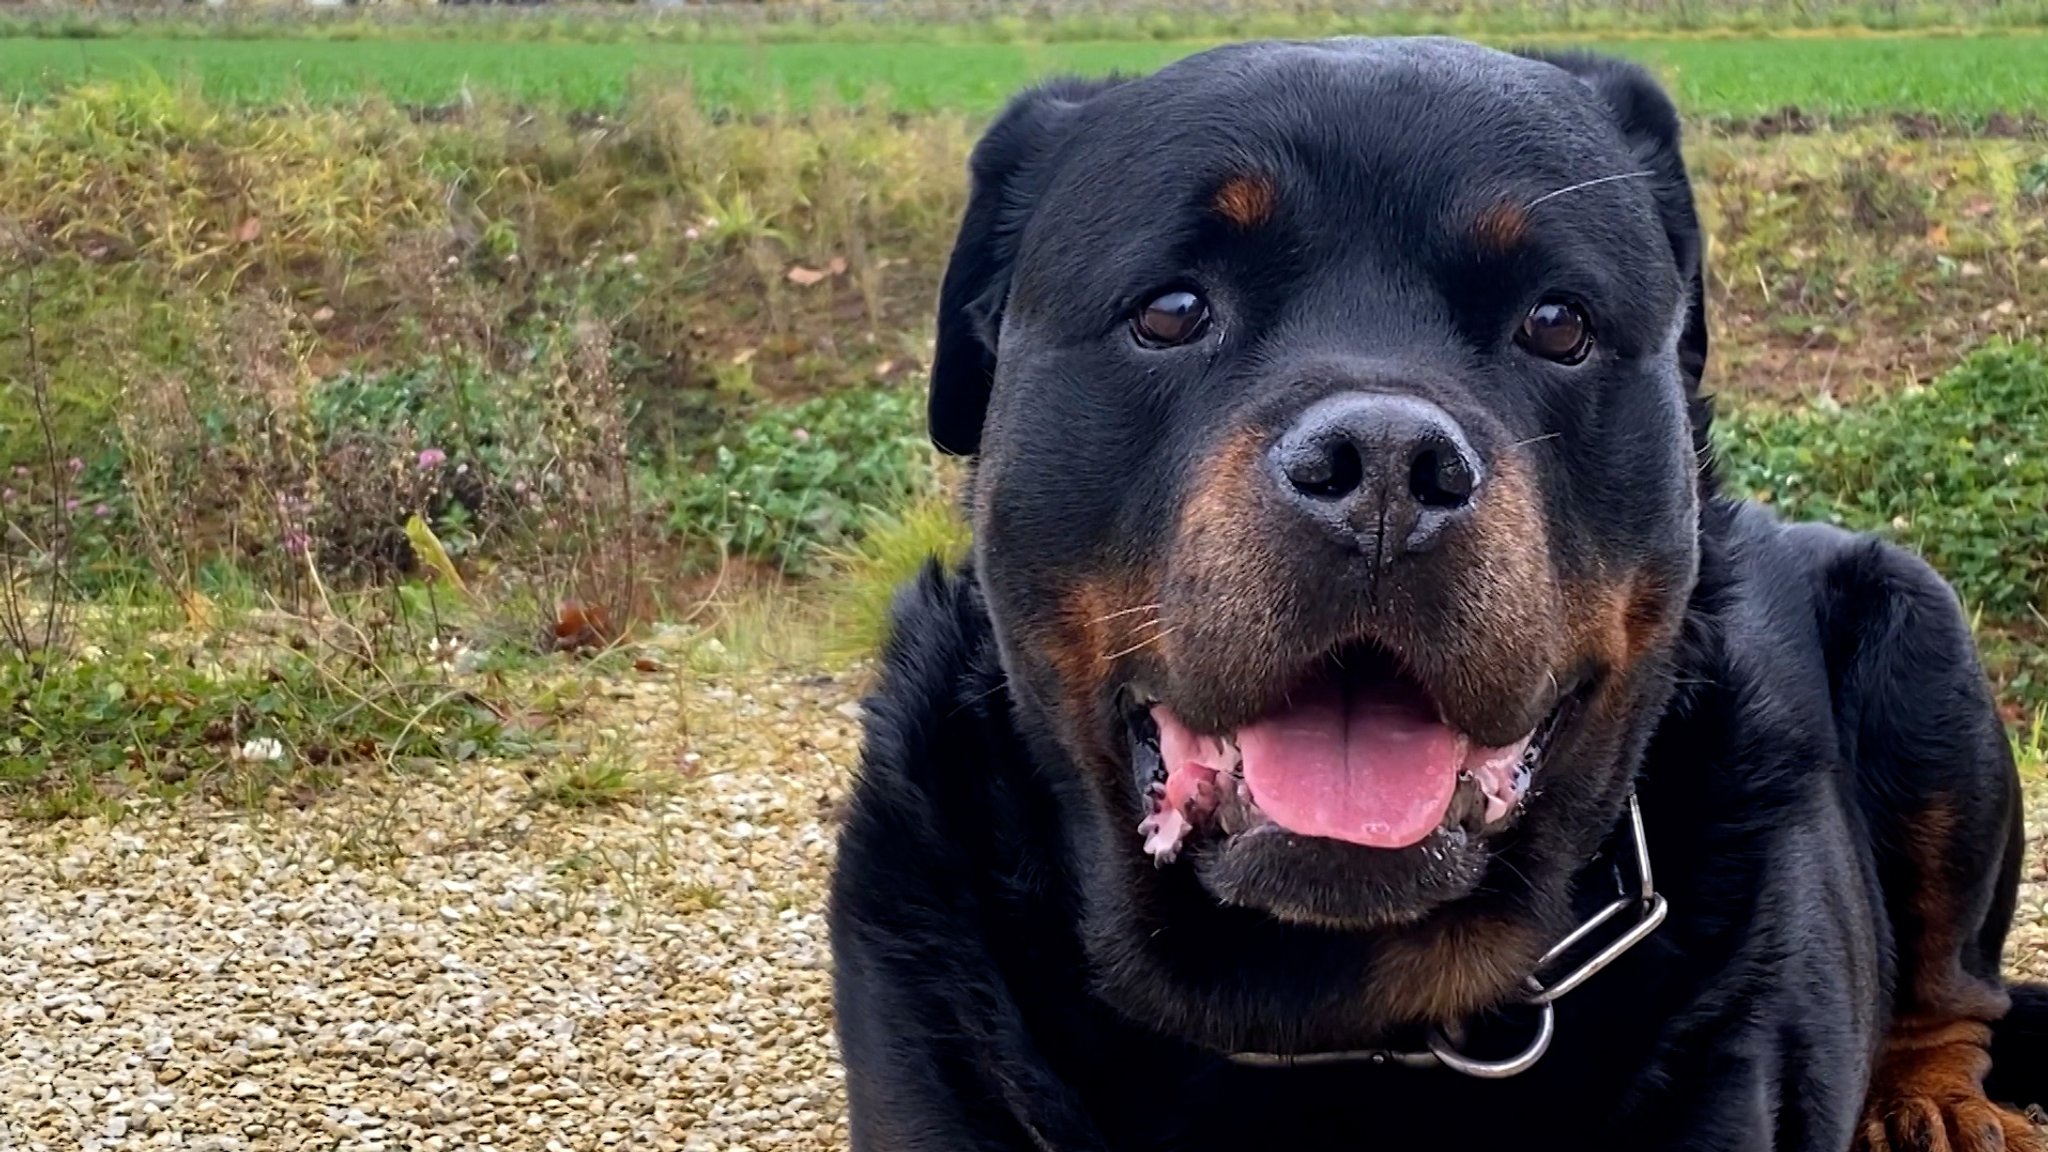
[
  {"x": 1558, "y": 331},
  {"x": 1171, "y": 318}
]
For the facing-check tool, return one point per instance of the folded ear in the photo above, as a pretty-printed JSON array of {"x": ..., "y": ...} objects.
[
  {"x": 1648, "y": 123},
  {"x": 1009, "y": 169}
]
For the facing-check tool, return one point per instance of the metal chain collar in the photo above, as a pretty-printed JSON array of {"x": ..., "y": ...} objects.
[{"x": 1442, "y": 1050}]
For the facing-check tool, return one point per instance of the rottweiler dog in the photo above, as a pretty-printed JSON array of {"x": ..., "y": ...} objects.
[{"x": 1364, "y": 722}]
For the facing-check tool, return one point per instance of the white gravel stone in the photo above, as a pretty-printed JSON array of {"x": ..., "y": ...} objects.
[{"x": 436, "y": 962}]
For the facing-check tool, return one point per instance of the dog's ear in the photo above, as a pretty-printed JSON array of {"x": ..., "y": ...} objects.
[
  {"x": 1648, "y": 122},
  {"x": 1009, "y": 169}
]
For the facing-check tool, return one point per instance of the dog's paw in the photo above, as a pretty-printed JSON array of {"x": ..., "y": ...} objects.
[
  {"x": 1930, "y": 1124},
  {"x": 1931, "y": 1099}
]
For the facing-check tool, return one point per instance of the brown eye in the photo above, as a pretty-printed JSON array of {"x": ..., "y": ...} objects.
[
  {"x": 1557, "y": 330},
  {"x": 1171, "y": 318}
]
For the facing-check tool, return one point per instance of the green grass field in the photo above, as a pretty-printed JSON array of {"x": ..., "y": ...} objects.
[{"x": 1961, "y": 78}]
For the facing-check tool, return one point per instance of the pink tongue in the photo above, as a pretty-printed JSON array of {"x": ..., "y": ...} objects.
[{"x": 1378, "y": 769}]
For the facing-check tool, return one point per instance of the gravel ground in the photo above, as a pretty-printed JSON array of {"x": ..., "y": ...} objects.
[{"x": 442, "y": 964}]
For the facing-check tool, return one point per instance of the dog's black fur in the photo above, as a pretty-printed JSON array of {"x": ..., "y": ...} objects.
[{"x": 1831, "y": 804}]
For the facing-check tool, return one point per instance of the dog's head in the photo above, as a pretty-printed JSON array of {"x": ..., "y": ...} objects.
[{"x": 1337, "y": 432}]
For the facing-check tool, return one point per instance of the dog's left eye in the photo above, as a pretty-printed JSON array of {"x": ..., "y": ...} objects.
[
  {"x": 1171, "y": 318},
  {"x": 1557, "y": 330}
]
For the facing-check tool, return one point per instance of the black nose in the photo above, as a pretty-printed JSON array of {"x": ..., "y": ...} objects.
[{"x": 1394, "y": 466}]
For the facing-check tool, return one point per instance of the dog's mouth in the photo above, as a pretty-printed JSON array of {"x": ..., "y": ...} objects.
[{"x": 1358, "y": 753}]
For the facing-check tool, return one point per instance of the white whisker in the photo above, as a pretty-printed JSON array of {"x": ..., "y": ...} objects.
[
  {"x": 1594, "y": 183},
  {"x": 1127, "y": 612},
  {"x": 1141, "y": 645}
]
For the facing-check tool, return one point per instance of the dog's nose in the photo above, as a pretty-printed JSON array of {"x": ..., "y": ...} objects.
[{"x": 1396, "y": 467}]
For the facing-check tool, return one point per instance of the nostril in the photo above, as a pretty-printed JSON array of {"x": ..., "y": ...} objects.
[
  {"x": 1359, "y": 448},
  {"x": 1331, "y": 473},
  {"x": 1440, "y": 476}
]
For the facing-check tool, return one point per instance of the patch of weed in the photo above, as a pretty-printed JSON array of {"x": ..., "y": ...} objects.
[
  {"x": 795, "y": 480},
  {"x": 1954, "y": 471},
  {"x": 2016, "y": 656},
  {"x": 700, "y": 898},
  {"x": 1846, "y": 261},
  {"x": 759, "y": 624},
  {"x": 595, "y": 781},
  {"x": 2030, "y": 744},
  {"x": 865, "y": 575},
  {"x": 95, "y": 729}
]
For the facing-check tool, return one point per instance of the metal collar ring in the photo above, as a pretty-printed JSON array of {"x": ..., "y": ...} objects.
[{"x": 1442, "y": 1050}]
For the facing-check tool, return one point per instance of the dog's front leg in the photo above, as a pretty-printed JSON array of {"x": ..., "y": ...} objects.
[{"x": 1934, "y": 778}]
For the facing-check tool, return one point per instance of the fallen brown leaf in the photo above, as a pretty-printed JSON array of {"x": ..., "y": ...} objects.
[{"x": 583, "y": 626}]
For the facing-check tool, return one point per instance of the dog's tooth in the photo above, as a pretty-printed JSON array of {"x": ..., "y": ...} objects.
[{"x": 1165, "y": 830}]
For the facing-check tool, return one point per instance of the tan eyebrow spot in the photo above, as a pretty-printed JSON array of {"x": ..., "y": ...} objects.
[
  {"x": 1246, "y": 199},
  {"x": 1501, "y": 228}
]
